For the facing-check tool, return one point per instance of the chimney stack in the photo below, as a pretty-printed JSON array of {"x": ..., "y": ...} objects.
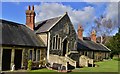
[
  {"x": 30, "y": 17},
  {"x": 93, "y": 36},
  {"x": 80, "y": 32}
]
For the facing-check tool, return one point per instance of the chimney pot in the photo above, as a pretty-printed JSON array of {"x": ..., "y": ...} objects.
[
  {"x": 30, "y": 18},
  {"x": 29, "y": 7},
  {"x": 93, "y": 36},
  {"x": 33, "y": 7},
  {"x": 80, "y": 32}
]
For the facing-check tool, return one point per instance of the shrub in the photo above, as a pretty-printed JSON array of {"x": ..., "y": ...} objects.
[{"x": 29, "y": 64}]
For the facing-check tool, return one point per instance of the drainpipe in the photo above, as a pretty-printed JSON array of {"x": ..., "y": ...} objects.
[
  {"x": 1, "y": 59},
  {"x": 48, "y": 47}
]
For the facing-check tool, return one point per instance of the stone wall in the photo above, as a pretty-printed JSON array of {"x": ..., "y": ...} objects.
[
  {"x": 42, "y": 56},
  {"x": 25, "y": 55},
  {"x": 65, "y": 30},
  {"x": 96, "y": 55},
  {"x": 25, "y": 58}
]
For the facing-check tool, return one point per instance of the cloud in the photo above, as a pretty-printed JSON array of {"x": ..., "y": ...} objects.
[
  {"x": 50, "y": 10},
  {"x": 84, "y": 16},
  {"x": 112, "y": 12},
  {"x": 108, "y": 23}
]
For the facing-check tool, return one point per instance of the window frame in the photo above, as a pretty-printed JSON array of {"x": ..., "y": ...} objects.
[
  {"x": 57, "y": 44},
  {"x": 31, "y": 57}
]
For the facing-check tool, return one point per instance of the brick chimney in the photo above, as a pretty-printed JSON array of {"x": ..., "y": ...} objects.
[
  {"x": 80, "y": 32},
  {"x": 30, "y": 18},
  {"x": 93, "y": 36}
]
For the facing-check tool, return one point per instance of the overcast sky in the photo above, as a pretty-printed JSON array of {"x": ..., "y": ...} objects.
[{"x": 83, "y": 13}]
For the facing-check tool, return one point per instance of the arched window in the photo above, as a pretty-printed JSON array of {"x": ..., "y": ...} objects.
[
  {"x": 56, "y": 41},
  {"x": 59, "y": 43},
  {"x": 53, "y": 43}
]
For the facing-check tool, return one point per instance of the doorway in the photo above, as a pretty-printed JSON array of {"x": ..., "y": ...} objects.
[
  {"x": 64, "y": 47},
  {"x": 6, "y": 59},
  {"x": 18, "y": 59}
]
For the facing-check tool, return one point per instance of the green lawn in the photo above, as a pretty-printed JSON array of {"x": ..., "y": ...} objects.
[
  {"x": 43, "y": 70},
  {"x": 104, "y": 66}
]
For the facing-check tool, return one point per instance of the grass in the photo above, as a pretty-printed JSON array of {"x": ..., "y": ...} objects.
[
  {"x": 104, "y": 66},
  {"x": 43, "y": 70}
]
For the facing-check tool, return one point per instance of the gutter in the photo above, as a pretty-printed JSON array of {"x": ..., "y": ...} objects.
[{"x": 105, "y": 47}]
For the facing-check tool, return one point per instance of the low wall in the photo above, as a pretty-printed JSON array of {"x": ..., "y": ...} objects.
[{"x": 84, "y": 61}]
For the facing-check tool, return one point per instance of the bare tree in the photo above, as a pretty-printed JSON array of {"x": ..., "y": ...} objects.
[{"x": 104, "y": 26}]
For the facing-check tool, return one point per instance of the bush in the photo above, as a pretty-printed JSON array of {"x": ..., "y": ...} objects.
[
  {"x": 29, "y": 64},
  {"x": 116, "y": 58}
]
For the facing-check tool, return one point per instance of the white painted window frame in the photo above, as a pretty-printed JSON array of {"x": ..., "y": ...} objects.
[
  {"x": 56, "y": 38},
  {"x": 60, "y": 43},
  {"x": 54, "y": 43}
]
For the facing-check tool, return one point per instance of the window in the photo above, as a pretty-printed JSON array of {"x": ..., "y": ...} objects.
[
  {"x": 82, "y": 52},
  {"x": 34, "y": 55},
  {"x": 56, "y": 41},
  {"x": 59, "y": 43},
  {"x": 93, "y": 55},
  {"x": 38, "y": 55},
  {"x": 53, "y": 42},
  {"x": 30, "y": 57},
  {"x": 86, "y": 53}
]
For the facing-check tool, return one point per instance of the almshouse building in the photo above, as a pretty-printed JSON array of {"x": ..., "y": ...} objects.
[
  {"x": 19, "y": 44},
  {"x": 88, "y": 46},
  {"x": 53, "y": 40}
]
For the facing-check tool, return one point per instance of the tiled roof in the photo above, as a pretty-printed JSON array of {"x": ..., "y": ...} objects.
[
  {"x": 44, "y": 26},
  {"x": 18, "y": 34},
  {"x": 90, "y": 45}
]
